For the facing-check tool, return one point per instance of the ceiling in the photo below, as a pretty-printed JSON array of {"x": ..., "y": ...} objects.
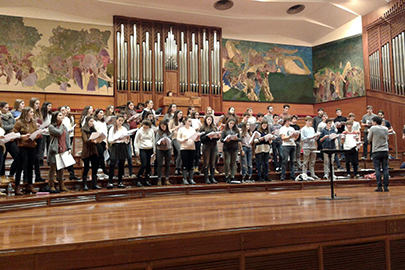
[{"x": 264, "y": 20}]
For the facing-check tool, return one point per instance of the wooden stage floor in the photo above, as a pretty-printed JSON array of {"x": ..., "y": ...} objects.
[{"x": 257, "y": 222}]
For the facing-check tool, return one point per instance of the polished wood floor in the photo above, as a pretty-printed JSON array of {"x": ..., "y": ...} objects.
[{"x": 173, "y": 215}]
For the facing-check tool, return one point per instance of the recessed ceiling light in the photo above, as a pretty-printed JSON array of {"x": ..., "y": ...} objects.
[
  {"x": 223, "y": 4},
  {"x": 295, "y": 9}
]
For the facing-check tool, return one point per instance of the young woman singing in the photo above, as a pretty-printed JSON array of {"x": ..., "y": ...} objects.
[
  {"x": 89, "y": 153},
  {"x": 209, "y": 148}
]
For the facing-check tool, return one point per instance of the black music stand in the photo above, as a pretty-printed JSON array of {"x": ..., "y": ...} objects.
[{"x": 330, "y": 152}]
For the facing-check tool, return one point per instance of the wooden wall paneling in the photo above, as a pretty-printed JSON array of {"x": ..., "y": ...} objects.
[
  {"x": 205, "y": 102},
  {"x": 349, "y": 105},
  {"x": 120, "y": 99},
  {"x": 393, "y": 107},
  {"x": 172, "y": 81}
]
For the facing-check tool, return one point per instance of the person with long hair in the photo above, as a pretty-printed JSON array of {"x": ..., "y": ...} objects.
[
  {"x": 230, "y": 137},
  {"x": 2, "y": 149},
  {"x": 35, "y": 105},
  {"x": 119, "y": 151},
  {"x": 59, "y": 144},
  {"x": 170, "y": 112},
  {"x": 87, "y": 111},
  {"x": 69, "y": 126},
  {"x": 174, "y": 125},
  {"x": 46, "y": 112},
  {"x": 101, "y": 126},
  {"x": 89, "y": 153},
  {"x": 26, "y": 125},
  {"x": 17, "y": 108},
  {"x": 109, "y": 110},
  {"x": 8, "y": 123},
  {"x": 262, "y": 150},
  {"x": 196, "y": 124},
  {"x": 144, "y": 148},
  {"x": 129, "y": 147},
  {"x": 187, "y": 149},
  {"x": 148, "y": 109},
  {"x": 163, "y": 151},
  {"x": 246, "y": 154},
  {"x": 109, "y": 115},
  {"x": 132, "y": 120},
  {"x": 209, "y": 142},
  {"x": 230, "y": 114}
]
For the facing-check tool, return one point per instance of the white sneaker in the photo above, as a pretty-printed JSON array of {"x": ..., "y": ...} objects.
[{"x": 314, "y": 177}]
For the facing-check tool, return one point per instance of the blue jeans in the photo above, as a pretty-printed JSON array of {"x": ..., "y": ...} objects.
[
  {"x": 288, "y": 151},
  {"x": 277, "y": 153},
  {"x": 247, "y": 161},
  {"x": 381, "y": 158}
]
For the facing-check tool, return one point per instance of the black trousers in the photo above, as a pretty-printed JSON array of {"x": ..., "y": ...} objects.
[
  {"x": 145, "y": 155},
  {"x": 93, "y": 159},
  {"x": 101, "y": 147},
  {"x": 187, "y": 158},
  {"x": 12, "y": 148},
  {"x": 113, "y": 162},
  {"x": 26, "y": 164}
]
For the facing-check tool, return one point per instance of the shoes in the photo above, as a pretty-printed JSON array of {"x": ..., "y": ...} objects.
[
  {"x": 178, "y": 172},
  {"x": 40, "y": 179},
  {"x": 363, "y": 157},
  {"x": 325, "y": 176},
  {"x": 73, "y": 177},
  {"x": 159, "y": 182},
  {"x": 167, "y": 182},
  {"x": 95, "y": 187},
  {"x": 30, "y": 189},
  {"x": 260, "y": 179},
  {"x": 282, "y": 179},
  {"x": 315, "y": 177},
  {"x": 138, "y": 184},
  {"x": 227, "y": 180},
  {"x": 5, "y": 180},
  {"x": 233, "y": 181},
  {"x": 2, "y": 194},
  {"x": 213, "y": 181},
  {"x": 386, "y": 189},
  {"x": 132, "y": 176},
  {"x": 115, "y": 177},
  {"x": 379, "y": 189},
  {"x": 85, "y": 188},
  {"x": 147, "y": 183},
  {"x": 18, "y": 191},
  {"x": 110, "y": 186},
  {"x": 185, "y": 182},
  {"x": 348, "y": 176},
  {"x": 292, "y": 177},
  {"x": 191, "y": 181},
  {"x": 267, "y": 179},
  {"x": 357, "y": 176},
  {"x": 121, "y": 185}
]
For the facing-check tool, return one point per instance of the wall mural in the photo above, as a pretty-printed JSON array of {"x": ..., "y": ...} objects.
[
  {"x": 253, "y": 71},
  {"x": 55, "y": 57},
  {"x": 338, "y": 68}
]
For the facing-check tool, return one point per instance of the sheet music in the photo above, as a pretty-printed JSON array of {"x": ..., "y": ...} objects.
[{"x": 35, "y": 134}]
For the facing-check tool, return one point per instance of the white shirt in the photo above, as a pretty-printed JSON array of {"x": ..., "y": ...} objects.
[
  {"x": 144, "y": 140},
  {"x": 102, "y": 128},
  {"x": 115, "y": 135},
  {"x": 287, "y": 131}
]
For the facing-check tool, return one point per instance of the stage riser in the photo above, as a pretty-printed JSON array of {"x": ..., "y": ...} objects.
[{"x": 352, "y": 244}]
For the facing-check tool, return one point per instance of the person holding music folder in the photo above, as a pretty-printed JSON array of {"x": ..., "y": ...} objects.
[
  {"x": 129, "y": 156},
  {"x": 230, "y": 137},
  {"x": 378, "y": 135},
  {"x": 8, "y": 123},
  {"x": 35, "y": 105},
  {"x": 246, "y": 153},
  {"x": 70, "y": 127},
  {"x": 277, "y": 143},
  {"x": 101, "y": 126},
  {"x": 170, "y": 112},
  {"x": 26, "y": 125},
  {"x": 174, "y": 125},
  {"x": 17, "y": 108},
  {"x": 262, "y": 150},
  {"x": 187, "y": 136},
  {"x": 209, "y": 140},
  {"x": 46, "y": 112},
  {"x": 350, "y": 140},
  {"x": 309, "y": 137},
  {"x": 288, "y": 136},
  {"x": 118, "y": 136},
  {"x": 367, "y": 122},
  {"x": 59, "y": 144},
  {"x": 163, "y": 151},
  {"x": 327, "y": 137},
  {"x": 87, "y": 111},
  {"x": 132, "y": 119},
  {"x": 90, "y": 139},
  {"x": 145, "y": 147},
  {"x": 2, "y": 149}
]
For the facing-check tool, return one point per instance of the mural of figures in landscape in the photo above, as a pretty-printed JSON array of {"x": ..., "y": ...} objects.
[
  {"x": 55, "y": 57},
  {"x": 266, "y": 72},
  {"x": 338, "y": 68}
]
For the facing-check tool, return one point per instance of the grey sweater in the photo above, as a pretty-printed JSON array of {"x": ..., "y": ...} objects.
[{"x": 378, "y": 135}]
